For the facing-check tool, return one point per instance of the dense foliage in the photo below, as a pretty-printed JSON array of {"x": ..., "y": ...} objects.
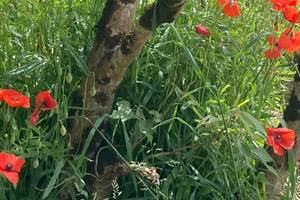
[{"x": 193, "y": 107}]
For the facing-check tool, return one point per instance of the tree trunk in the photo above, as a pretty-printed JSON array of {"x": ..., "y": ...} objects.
[{"x": 118, "y": 42}]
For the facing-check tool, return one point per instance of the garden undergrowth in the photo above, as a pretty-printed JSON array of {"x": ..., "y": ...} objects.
[{"x": 196, "y": 107}]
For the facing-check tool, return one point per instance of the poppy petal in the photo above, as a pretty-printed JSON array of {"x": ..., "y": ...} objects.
[
  {"x": 269, "y": 141},
  {"x": 223, "y": 2},
  {"x": 4, "y": 159},
  {"x": 7, "y": 158},
  {"x": 17, "y": 166},
  {"x": 34, "y": 119},
  {"x": 278, "y": 149},
  {"x": 14, "y": 98},
  {"x": 280, "y": 5},
  {"x": 232, "y": 10},
  {"x": 13, "y": 177},
  {"x": 45, "y": 100},
  {"x": 291, "y": 14},
  {"x": 273, "y": 53},
  {"x": 284, "y": 41},
  {"x": 270, "y": 138},
  {"x": 201, "y": 30},
  {"x": 1, "y": 98},
  {"x": 287, "y": 140}
]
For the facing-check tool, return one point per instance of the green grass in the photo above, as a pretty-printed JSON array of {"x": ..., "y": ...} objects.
[{"x": 198, "y": 105}]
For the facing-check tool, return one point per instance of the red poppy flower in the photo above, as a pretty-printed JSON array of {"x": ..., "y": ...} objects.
[
  {"x": 34, "y": 117},
  {"x": 201, "y": 30},
  {"x": 14, "y": 99},
  {"x": 43, "y": 101},
  {"x": 223, "y": 2},
  {"x": 291, "y": 14},
  {"x": 289, "y": 40},
  {"x": 232, "y": 9},
  {"x": 280, "y": 5},
  {"x": 275, "y": 51},
  {"x": 10, "y": 166},
  {"x": 280, "y": 138}
]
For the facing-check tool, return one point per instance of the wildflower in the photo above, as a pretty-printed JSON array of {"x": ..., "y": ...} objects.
[
  {"x": 280, "y": 138},
  {"x": 201, "y": 30},
  {"x": 280, "y": 5},
  {"x": 148, "y": 172},
  {"x": 10, "y": 166},
  {"x": 231, "y": 9},
  {"x": 222, "y": 3},
  {"x": 274, "y": 51},
  {"x": 43, "y": 101},
  {"x": 291, "y": 14},
  {"x": 289, "y": 40},
  {"x": 14, "y": 98}
]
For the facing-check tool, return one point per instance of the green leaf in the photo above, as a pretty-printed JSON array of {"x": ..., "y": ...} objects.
[
  {"x": 145, "y": 127},
  {"x": 127, "y": 142},
  {"x": 55, "y": 176},
  {"x": 256, "y": 39},
  {"x": 24, "y": 69},
  {"x": 263, "y": 155},
  {"x": 292, "y": 172},
  {"x": 80, "y": 62},
  {"x": 123, "y": 112},
  {"x": 89, "y": 139},
  {"x": 254, "y": 122}
]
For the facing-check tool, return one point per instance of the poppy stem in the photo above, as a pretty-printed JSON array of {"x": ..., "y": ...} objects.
[
  {"x": 229, "y": 144},
  {"x": 246, "y": 90}
]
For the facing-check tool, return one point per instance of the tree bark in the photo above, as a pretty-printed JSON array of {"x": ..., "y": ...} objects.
[{"x": 118, "y": 42}]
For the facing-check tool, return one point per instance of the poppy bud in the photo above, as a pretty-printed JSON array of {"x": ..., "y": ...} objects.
[
  {"x": 160, "y": 75},
  {"x": 35, "y": 163},
  {"x": 69, "y": 145},
  {"x": 62, "y": 130},
  {"x": 201, "y": 30},
  {"x": 66, "y": 114},
  {"x": 93, "y": 91},
  {"x": 69, "y": 77}
]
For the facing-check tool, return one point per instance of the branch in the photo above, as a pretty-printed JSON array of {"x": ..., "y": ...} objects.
[{"x": 165, "y": 11}]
